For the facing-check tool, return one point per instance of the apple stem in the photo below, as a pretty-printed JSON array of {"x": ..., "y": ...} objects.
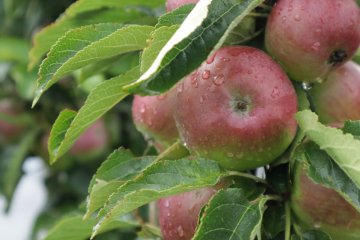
[
  {"x": 246, "y": 175},
  {"x": 288, "y": 221}
]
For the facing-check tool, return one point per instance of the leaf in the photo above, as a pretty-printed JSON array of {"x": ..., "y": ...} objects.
[
  {"x": 82, "y": 6},
  {"x": 13, "y": 49},
  {"x": 229, "y": 215},
  {"x": 12, "y": 159},
  {"x": 73, "y": 227},
  {"x": 118, "y": 168},
  {"x": 104, "y": 97},
  {"x": 315, "y": 235},
  {"x": 323, "y": 170},
  {"x": 175, "y": 17},
  {"x": 342, "y": 148},
  {"x": 25, "y": 81},
  {"x": 352, "y": 127},
  {"x": 160, "y": 180},
  {"x": 86, "y": 45},
  {"x": 44, "y": 39},
  {"x": 274, "y": 221},
  {"x": 203, "y": 32}
]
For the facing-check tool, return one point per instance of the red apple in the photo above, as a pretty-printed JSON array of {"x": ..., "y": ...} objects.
[
  {"x": 319, "y": 207},
  {"x": 238, "y": 109},
  {"x": 9, "y": 131},
  {"x": 338, "y": 98},
  {"x": 173, "y": 4},
  {"x": 179, "y": 214},
  {"x": 153, "y": 116},
  {"x": 311, "y": 38}
]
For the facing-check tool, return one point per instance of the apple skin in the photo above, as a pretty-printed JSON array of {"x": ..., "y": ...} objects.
[
  {"x": 92, "y": 142},
  {"x": 153, "y": 117},
  {"x": 173, "y": 4},
  {"x": 8, "y": 131},
  {"x": 238, "y": 109},
  {"x": 311, "y": 38},
  {"x": 338, "y": 98},
  {"x": 179, "y": 214},
  {"x": 319, "y": 207}
]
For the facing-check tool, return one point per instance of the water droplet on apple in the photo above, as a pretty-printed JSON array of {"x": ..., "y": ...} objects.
[
  {"x": 180, "y": 88},
  {"x": 316, "y": 46},
  {"x": 206, "y": 74},
  {"x": 180, "y": 231},
  {"x": 142, "y": 108},
  {"x": 211, "y": 59},
  {"x": 275, "y": 92},
  {"x": 307, "y": 86},
  {"x": 202, "y": 99},
  {"x": 230, "y": 154},
  {"x": 218, "y": 79},
  {"x": 297, "y": 18}
]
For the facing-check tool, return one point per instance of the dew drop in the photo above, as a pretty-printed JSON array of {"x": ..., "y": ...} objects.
[
  {"x": 211, "y": 59},
  {"x": 297, "y": 17},
  {"x": 167, "y": 204},
  {"x": 206, "y": 74},
  {"x": 202, "y": 99},
  {"x": 275, "y": 92},
  {"x": 230, "y": 154},
  {"x": 219, "y": 79},
  {"x": 142, "y": 108},
  {"x": 180, "y": 231},
  {"x": 180, "y": 88},
  {"x": 316, "y": 46}
]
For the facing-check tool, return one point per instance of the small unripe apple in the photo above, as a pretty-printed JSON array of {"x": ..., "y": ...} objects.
[
  {"x": 338, "y": 98},
  {"x": 179, "y": 214},
  {"x": 238, "y": 109},
  {"x": 9, "y": 131},
  {"x": 153, "y": 117},
  {"x": 173, "y": 4},
  {"x": 92, "y": 142},
  {"x": 311, "y": 38},
  {"x": 319, "y": 207}
]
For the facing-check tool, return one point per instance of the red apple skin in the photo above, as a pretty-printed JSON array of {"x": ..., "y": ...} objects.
[
  {"x": 238, "y": 109},
  {"x": 303, "y": 35},
  {"x": 338, "y": 98},
  {"x": 92, "y": 142},
  {"x": 8, "y": 131},
  {"x": 179, "y": 214},
  {"x": 173, "y": 4},
  {"x": 320, "y": 207},
  {"x": 153, "y": 117}
]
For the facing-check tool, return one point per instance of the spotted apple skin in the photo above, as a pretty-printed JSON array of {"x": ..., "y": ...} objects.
[
  {"x": 179, "y": 214},
  {"x": 316, "y": 206},
  {"x": 153, "y": 117},
  {"x": 173, "y": 4},
  {"x": 311, "y": 38},
  {"x": 338, "y": 98},
  {"x": 238, "y": 109}
]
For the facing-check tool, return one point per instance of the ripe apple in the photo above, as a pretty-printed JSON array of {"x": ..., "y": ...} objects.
[
  {"x": 92, "y": 142},
  {"x": 9, "y": 131},
  {"x": 319, "y": 207},
  {"x": 338, "y": 98},
  {"x": 179, "y": 214},
  {"x": 311, "y": 38},
  {"x": 153, "y": 116},
  {"x": 173, "y": 4},
  {"x": 238, "y": 109}
]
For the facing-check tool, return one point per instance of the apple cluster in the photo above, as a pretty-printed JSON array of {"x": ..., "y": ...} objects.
[{"x": 238, "y": 108}]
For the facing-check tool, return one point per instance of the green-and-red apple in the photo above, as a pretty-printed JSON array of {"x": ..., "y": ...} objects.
[
  {"x": 173, "y": 4},
  {"x": 153, "y": 117},
  {"x": 311, "y": 38},
  {"x": 238, "y": 109},
  {"x": 319, "y": 207},
  {"x": 338, "y": 98},
  {"x": 179, "y": 214},
  {"x": 9, "y": 131}
]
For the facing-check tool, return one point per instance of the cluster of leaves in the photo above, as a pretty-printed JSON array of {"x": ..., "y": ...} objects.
[{"x": 90, "y": 36}]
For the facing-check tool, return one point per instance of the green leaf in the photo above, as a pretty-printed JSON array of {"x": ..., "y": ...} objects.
[
  {"x": 204, "y": 31},
  {"x": 12, "y": 159},
  {"x": 73, "y": 227},
  {"x": 13, "y": 49},
  {"x": 342, "y": 148},
  {"x": 322, "y": 170},
  {"x": 352, "y": 127},
  {"x": 160, "y": 180},
  {"x": 25, "y": 81},
  {"x": 104, "y": 97},
  {"x": 44, "y": 39},
  {"x": 315, "y": 235},
  {"x": 229, "y": 215},
  {"x": 175, "y": 17},
  {"x": 118, "y": 168},
  {"x": 274, "y": 221},
  {"x": 87, "y": 5},
  {"x": 86, "y": 45}
]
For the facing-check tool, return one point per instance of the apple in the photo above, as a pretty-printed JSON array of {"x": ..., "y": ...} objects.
[
  {"x": 179, "y": 214},
  {"x": 173, "y": 4},
  {"x": 92, "y": 142},
  {"x": 311, "y": 38},
  {"x": 153, "y": 117},
  {"x": 319, "y": 207},
  {"x": 238, "y": 109},
  {"x": 338, "y": 98},
  {"x": 9, "y": 131}
]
